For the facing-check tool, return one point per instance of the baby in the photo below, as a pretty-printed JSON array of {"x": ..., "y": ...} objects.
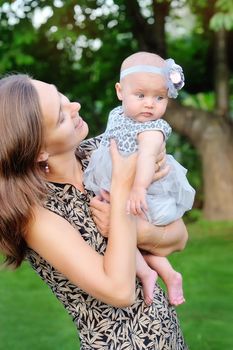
[{"x": 146, "y": 83}]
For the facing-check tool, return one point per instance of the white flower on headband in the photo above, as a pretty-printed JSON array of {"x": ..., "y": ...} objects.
[{"x": 175, "y": 77}]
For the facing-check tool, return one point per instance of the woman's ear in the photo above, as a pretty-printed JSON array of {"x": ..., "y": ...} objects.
[
  {"x": 118, "y": 91},
  {"x": 43, "y": 156}
]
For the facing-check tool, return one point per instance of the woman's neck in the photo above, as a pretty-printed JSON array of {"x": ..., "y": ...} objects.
[{"x": 65, "y": 169}]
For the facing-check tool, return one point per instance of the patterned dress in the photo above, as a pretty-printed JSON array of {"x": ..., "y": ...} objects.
[{"x": 101, "y": 326}]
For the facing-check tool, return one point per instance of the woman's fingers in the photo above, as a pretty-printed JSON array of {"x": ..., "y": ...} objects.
[
  {"x": 161, "y": 164},
  {"x": 161, "y": 169},
  {"x": 100, "y": 211},
  {"x": 162, "y": 152},
  {"x": 161, "y": 173},
  {"x": 99, "y": 207},
  {"x": 105, "y": 195}
]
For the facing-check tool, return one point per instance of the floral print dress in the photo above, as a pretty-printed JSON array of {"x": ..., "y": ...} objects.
[{"x": 101, "y": 326}]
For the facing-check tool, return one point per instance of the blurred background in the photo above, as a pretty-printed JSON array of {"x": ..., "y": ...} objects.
[{"x": 79, "y": 47}]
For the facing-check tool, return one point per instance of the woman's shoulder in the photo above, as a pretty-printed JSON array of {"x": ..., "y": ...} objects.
[
  {"x": 40, "y": 215},
  {"x": 40, "y": 219}
]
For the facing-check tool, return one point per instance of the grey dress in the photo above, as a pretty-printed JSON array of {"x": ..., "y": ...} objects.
[
  {"x": 101, "y": 326},
  {"x": 168, "y": 198}
]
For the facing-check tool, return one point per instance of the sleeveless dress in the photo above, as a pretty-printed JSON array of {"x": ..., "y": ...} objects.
[
  {"x": 101, "y": 326},
  {"x": 168, "y": 198}
]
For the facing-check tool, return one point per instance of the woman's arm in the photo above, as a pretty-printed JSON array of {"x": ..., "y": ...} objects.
[
  {"x": 161, "y": 240},
  {"x": 158, "y": 240},
  {"x": 110, "y": 278}
]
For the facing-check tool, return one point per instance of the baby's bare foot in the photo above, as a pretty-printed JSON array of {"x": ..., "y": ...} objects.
[
  {"x": 175, "y": 289},
  {"x": 148, "y": 284}
]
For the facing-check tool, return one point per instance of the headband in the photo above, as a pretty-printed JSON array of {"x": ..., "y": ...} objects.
[{"x": 172, "y": 72}]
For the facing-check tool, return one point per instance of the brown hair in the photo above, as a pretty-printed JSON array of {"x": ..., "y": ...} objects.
[{"x": 21, "y": 184}]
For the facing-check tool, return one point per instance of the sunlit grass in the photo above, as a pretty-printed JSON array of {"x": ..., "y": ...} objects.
[
  {"x": 31, "y": 317},
  {"x": 207, "y": 268}
]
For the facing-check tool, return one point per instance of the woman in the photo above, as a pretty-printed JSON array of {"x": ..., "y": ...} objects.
[{"x": 45, "y": 217}]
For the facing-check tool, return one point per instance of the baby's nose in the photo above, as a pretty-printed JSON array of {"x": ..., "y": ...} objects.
[{"x": 149, "y": 102}]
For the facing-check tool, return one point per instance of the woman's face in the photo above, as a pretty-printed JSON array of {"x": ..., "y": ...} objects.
[{"x": 64, "y": 129}]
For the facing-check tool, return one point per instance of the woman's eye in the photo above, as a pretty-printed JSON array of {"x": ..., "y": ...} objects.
[{"x": 62, "y": 118}]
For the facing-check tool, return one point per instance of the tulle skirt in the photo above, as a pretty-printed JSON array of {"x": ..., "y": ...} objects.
[{"x": 168, "y": 198}]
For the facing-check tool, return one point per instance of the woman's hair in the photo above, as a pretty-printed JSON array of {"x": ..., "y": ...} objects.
[{"x": 21, "y": 184}]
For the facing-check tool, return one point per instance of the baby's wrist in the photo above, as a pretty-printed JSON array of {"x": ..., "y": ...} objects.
[{"x": 138, "y": 187}]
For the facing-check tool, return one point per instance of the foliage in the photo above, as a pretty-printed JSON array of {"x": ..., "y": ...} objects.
[
  {"x": 204, "y": 101},
  {"x": 192, "y": 52},
  {"x": 224, "y": 17},
  {"x": 220, "y": 12},
  {"x": 81, "y": 45},
  {"x": 187, "y": 155},
  {"x": 80, "y": 48}
]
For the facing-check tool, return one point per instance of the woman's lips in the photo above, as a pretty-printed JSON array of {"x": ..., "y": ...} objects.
[{"x": 79, "y": 123}]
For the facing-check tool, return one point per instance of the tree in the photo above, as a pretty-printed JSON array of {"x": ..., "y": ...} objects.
[
  {"x": 80, "y": 48},
  {"x": 210, "y": 133}
]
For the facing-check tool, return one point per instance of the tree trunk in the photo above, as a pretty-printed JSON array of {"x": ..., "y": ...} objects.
[
  {"x": 150, "y": 36},
  {"x": 211, "y": 135},
  {"x": 161, "y": 11},
  {"x": 213, "y": 138},
  {"x": 221, "y": 74}
]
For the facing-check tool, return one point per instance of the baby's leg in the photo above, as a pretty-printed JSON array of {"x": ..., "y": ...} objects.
[
  {"x": 171, "y": 278},
  {"x": 147, "y": 277}
]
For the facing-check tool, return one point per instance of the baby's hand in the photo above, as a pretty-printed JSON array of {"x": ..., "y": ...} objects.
[{"x": 137, "y": 201}]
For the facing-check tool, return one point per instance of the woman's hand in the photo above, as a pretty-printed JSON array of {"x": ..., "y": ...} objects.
[
  {"x": 122, "y": 177},
  {"x": 123, "y": 168},
  {"x": 161, "y": 169},
  {"x": 161, "y": 240},
  {"x": 100, "y": 210}
]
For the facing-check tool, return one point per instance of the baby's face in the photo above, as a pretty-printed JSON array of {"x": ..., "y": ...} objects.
[{"x": 143, "y": 96}]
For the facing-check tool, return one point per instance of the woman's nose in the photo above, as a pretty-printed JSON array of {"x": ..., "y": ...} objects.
[{"x": 75, "y": 107}]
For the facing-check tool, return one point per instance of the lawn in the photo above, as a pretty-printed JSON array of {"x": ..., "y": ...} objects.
[
  {"x": 30, "y": 317},
  {"x": 207, "y": 268}
]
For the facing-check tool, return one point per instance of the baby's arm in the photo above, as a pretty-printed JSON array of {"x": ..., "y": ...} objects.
[{"x": 149, "y": 146}]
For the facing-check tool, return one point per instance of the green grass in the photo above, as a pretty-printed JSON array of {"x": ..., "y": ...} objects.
[
  {"x": 207, "y": 267},
  {"x": 31, "y": 317}
]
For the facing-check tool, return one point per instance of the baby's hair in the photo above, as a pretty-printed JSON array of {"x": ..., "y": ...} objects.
[{"x": 143, "y": 58}]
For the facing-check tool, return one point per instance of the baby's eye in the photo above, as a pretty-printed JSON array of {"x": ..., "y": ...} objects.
[
  {"x": 141, "y": 95},
  {"x": 159, "y": 98}
]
